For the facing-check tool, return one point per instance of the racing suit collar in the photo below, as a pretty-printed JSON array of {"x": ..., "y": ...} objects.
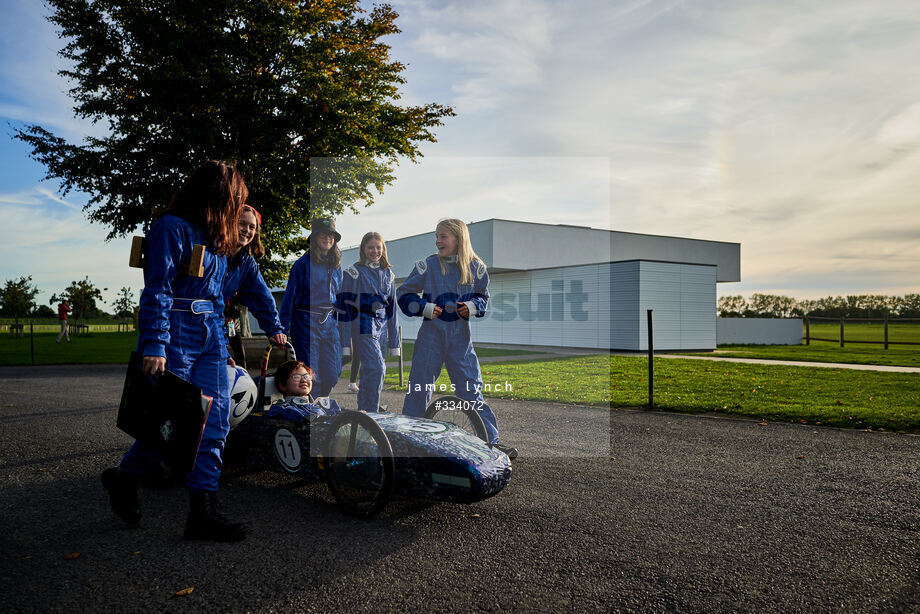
[{"x": 449, "y": 259}]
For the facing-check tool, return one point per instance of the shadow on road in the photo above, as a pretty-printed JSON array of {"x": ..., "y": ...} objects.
[{"x": 299, "y": 541}]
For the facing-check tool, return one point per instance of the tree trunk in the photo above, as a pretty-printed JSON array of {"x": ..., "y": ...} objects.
[{"x": 245, "y": 330}]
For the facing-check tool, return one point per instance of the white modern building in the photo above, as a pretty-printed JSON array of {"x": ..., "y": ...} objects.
[{"x": 580, "y": 287}]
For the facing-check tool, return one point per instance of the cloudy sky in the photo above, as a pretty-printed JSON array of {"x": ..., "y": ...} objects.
[{"x": 792, "y": 128}]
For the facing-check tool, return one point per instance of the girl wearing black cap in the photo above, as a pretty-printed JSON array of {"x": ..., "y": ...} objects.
[{"x": 308, "y": 308}]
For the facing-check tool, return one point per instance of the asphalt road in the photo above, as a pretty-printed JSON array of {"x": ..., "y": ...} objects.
[{"x": 658, "y": 512}]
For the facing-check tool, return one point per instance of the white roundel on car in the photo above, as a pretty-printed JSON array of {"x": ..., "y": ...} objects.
[
  {"x": 429, "y": 427},
  {"x": 287, "y": 450},
  {"x": 243, "y": 393}
]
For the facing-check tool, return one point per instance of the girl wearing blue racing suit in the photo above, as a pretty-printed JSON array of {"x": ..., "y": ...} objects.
[
  {"x": 181, "y": 328},
  {"x": 308, "y": 311},
  {"x": 295, "y": 380},
  {"x": 369, "y": 297},
  {"x": 454, "y": 287},
  {"x": 244, "y": 278}
]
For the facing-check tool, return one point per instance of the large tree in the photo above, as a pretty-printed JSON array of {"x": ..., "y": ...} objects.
[
  {"x": 17, "y": 297},
  {"x": 82, "y": 295},
  {"x": 125, "y": 303},
  {"x": 269, "y": 84}
]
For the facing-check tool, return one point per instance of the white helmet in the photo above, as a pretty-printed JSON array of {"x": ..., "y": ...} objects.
[{"x": 243, "y": 393}]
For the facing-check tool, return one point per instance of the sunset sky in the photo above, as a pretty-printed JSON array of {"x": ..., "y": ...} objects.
[{"x": 792, "y": 128}]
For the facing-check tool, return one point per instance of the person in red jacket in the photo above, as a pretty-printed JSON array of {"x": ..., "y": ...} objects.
[{"x": 63, "y": 310}]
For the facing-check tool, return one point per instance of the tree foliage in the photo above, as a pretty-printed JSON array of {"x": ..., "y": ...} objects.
[
  {"x": 17, "y": 297},
  {"x": 850, "y": 306},
  {"x": 125, "y": 303},
  {"x": 82, "y": 295},
  {"x": 269, "y": 84},
  {"x": 43, "y": 311}
]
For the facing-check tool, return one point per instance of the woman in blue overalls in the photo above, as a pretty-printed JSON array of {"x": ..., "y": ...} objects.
[
  {"x": 308, "y": 311},
  {"x": 369, "y": 323},
  {"x": 245, "y": 279},
  {"x": 454, "y": 287},
  {"x": 181, "y": 328}
]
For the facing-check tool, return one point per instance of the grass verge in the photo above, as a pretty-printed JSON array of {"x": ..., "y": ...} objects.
[{"x": 819, "y": 351}]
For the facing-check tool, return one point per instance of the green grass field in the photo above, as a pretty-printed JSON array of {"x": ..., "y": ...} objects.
[
  {"x": 107, "y": 348},
  {"x": 861, "y": 331},
  {"x": 571, "y": 380},
  {"x": 49, "y": 325},
  {"x": 830, "y": 397},
  {"x": 821, "y": 351},
  {"x": 54, "y": 321},
  {"x": 114, "y": 348},
  {"x": 408, "y": 347},
  {"x": 830, "y": 351}
]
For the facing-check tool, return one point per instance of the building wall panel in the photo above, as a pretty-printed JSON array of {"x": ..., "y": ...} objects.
[
  {"x": 530, "y": 307},
  {"x": 624, "y": 305}
]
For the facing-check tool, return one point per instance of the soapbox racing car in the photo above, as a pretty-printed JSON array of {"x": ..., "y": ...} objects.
[{"x": 365, "y": 458}]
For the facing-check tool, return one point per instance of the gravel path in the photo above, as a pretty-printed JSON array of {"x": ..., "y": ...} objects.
[{"x": 607, "y": 511}]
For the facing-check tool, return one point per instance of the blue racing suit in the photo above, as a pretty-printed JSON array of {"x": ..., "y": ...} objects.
[
  {"x": 299, "y": 409},
  {"x": 182, "y": 318},
  {"x": 244, "y": 277},
  {"x": 445, "y": 340},
  {"x": 308, "y": 314},
  {"x": 368, "y": 299}
]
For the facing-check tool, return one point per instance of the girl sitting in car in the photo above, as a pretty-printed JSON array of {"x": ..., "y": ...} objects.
[{"x": 295, "y": 381}]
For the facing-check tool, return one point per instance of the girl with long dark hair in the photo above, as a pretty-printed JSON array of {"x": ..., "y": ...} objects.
[
  {"x": 244, "y": 280},
  {"x": 181, "y": 328}
]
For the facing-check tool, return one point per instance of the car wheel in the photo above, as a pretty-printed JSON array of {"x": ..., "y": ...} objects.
[
  {"x": 359, "y": 464},
  {"x": 459, "y": 413}
]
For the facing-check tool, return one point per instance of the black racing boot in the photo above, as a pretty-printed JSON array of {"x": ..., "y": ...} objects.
[
  {"x": 163, "y": 478},
  {"x": 509, "y": 450},
  {"x": 122, "y": 489},
  {"x": 206, "y": 522}
]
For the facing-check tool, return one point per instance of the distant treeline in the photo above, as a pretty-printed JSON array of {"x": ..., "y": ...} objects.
[{"x": 852, "y": 306}]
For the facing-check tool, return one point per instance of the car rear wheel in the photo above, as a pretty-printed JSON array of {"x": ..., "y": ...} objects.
[
  {"x": 458, "y": 412},
  {"x": 359, "y": 464}
]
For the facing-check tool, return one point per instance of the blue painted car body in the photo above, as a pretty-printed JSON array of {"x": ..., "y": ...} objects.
[{"x": 433, "y": 460}]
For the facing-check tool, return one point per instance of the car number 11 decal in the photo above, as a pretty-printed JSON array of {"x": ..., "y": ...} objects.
[
  {"x": 287, "y": 450},
  {"x": 424, "y": 427}
]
